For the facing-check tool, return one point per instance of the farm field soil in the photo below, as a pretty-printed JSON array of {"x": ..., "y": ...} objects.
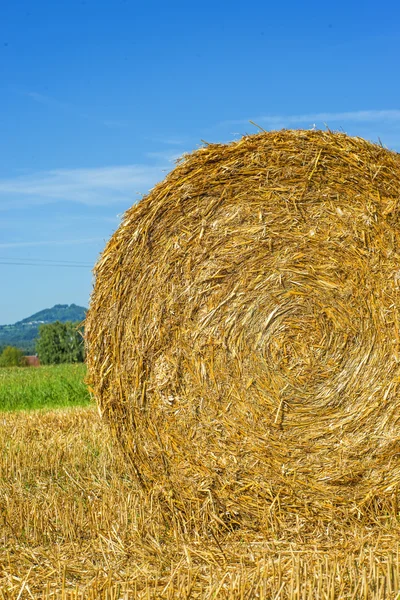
[
  {"x": 23, "y": 388},
  {"x": 74, "y": 525}
]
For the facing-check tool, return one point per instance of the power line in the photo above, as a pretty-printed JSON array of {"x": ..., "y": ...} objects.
[
  {"x": 58, "y": 265},
  {"x": 44, "y": 260}
]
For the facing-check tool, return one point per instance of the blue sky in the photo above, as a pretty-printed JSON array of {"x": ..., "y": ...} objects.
[{"x": 98, "y": 98}]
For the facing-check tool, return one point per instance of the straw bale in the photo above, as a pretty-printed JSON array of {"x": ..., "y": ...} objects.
[{"x": 243, "y": 332}]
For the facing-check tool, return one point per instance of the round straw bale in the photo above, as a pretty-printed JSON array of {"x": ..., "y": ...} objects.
[{"x": 243, "y": 332}]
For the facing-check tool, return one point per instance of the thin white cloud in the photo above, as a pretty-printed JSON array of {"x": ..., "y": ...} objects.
[
  {"x": 168, "y": 141},
  {"x": 172, "y": 141},
  {"x": 165, "y": 155},
  {"x": 117, "y": 123},
  {"x": 73, "y": 242},
  {"x": 360, "y": 116},
  {"x": 95, "y": 187},
  {"x": 47, "y": 100},
  {"x": 70, "y": 108}
]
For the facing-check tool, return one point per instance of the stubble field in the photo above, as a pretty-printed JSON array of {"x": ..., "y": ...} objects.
[{"x": 74, "y": 525}]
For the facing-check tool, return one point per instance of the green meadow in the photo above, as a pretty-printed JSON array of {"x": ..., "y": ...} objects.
[{"x": 56, "y": 386}]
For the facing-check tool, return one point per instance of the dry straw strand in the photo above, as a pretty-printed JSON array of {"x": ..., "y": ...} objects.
[{"x": 243, "y": 331}]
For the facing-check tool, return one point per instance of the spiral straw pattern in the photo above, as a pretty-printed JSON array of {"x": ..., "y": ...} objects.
[{"x": 243, "y": 333}]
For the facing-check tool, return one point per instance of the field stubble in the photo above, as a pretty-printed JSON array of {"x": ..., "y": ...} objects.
[{"x": 74, "y": 525}]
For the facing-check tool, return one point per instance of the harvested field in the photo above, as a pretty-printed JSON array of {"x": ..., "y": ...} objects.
[
  {"x": 243, "y": 334},
  {"x": 75, "y": 525}
]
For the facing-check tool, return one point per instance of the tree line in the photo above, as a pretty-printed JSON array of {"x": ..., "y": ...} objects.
[{"x": 57, "y": 343}]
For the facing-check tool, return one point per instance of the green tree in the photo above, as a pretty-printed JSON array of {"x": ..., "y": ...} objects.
[
  {"x": 60, "y": 343},
  {"x": 12, "y": 357}
]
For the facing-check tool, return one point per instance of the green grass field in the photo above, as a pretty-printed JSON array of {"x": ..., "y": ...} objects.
[{"x": 25, "y": 388}]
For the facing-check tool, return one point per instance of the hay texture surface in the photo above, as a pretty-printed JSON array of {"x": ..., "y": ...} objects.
[{"x": 243, "y": 333}]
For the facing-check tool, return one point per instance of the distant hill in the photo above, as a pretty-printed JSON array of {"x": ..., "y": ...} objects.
[{"x": 24, "y": 333}]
